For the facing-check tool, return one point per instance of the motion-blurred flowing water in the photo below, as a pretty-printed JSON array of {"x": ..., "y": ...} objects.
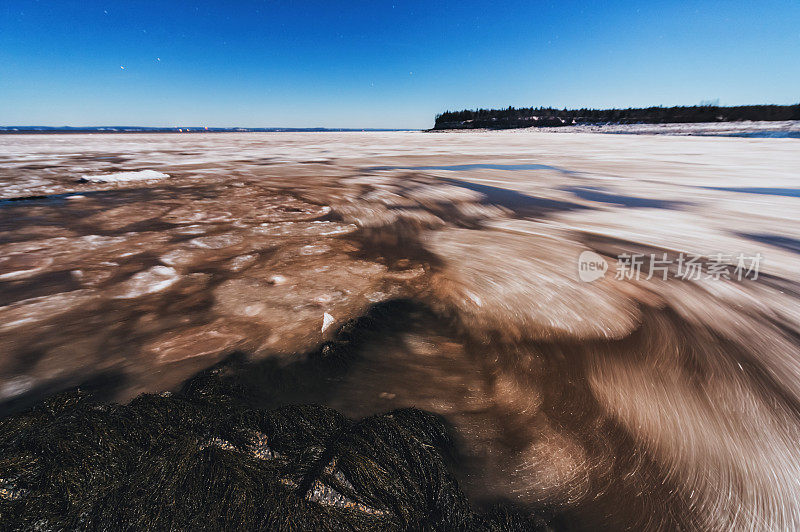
[{"x": 633, "y": 401}]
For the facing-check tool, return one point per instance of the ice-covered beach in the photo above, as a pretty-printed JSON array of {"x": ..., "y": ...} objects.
[{"x": 746, "y": 128}]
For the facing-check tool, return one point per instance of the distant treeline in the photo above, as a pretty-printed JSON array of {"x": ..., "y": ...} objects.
[{"x": 550, "y": 117}]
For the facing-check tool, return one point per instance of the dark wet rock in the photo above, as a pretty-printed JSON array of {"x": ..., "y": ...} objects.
[{"x": 201, "y": 459}]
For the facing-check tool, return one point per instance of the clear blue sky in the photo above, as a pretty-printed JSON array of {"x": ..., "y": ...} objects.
[{"x": 377, "y": 63}]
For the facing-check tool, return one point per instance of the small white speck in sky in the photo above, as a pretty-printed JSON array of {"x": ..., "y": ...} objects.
[{"x": 122, "y": 67}]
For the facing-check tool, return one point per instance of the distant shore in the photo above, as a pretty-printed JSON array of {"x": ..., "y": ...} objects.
[
  {"x": 549, "y": 117},
  {"x": 748, "y": 129}
]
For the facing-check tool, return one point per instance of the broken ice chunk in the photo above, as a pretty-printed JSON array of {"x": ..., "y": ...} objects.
[
  {"x": 149, "y": 281},
  {"x": 123, "y": 177},
  {"x": 327, "y": 321}
]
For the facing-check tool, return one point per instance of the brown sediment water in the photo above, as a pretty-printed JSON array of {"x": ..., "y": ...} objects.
[{"x": 623, "y": 402}]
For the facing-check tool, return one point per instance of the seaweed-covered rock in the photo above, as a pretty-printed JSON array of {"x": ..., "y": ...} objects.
[{"x": 201, "y": 459}]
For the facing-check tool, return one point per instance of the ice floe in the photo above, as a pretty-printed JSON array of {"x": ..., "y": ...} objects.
[
  {"x": 147, "y": 282},
  {"x": 124, "y": 177}
]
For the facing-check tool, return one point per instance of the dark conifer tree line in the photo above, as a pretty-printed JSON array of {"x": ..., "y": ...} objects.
[{"x": 512, "y": 117}]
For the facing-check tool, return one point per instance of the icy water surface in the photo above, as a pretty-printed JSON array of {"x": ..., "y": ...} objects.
[{"x": 129, "y": 262}]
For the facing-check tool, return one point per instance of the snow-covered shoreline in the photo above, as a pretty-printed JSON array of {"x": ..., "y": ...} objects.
[{"x": 763, "y": 129}]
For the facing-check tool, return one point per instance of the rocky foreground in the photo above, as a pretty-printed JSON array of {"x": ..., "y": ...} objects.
[
  {"x": 204, "y": 459},
  {"x": 129, "y": 263}
]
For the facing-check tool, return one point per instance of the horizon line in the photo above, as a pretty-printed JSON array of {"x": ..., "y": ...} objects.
[{"x": 195, "y": 129}]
